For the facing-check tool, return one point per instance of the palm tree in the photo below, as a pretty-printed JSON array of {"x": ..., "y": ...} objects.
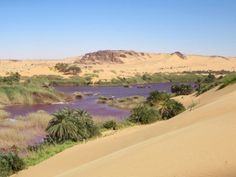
[
  {"x": 61, "y": 127},
  {"x": 85, "y": 124},
  {"x": 170, "y": 108},
  {"x": 156, "y": 97},
  {"x": 163, "y": 108}
]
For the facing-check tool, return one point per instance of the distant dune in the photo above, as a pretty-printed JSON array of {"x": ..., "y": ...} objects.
[
  {"x": 196, "y": 143},
  {"x": 109, "y": 64}
]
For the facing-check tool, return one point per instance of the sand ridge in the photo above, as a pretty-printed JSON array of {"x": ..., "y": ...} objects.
[{"x": 195, "y": 143}]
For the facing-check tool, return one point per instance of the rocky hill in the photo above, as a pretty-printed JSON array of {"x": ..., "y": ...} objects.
[{"x": 107, "y": 56}]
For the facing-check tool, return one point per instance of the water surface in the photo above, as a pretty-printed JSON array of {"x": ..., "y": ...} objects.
[{"x": 88, "y": 103}]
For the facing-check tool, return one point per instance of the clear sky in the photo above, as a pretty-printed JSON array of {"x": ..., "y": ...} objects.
[{"x": 60, "y": 28}]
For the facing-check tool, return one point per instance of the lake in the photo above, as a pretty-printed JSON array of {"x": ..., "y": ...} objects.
[{"x": 89, "y": 104}]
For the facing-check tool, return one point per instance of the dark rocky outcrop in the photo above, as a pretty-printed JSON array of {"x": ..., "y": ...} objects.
[
  {"x": 179, "y": 54},
  {"x": 106, "y": 56}
]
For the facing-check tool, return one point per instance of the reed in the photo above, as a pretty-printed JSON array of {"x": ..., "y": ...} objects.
[{"x": 23, "y": 131}]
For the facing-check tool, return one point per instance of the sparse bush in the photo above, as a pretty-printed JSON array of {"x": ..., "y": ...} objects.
[
  {"x": 210, "y": 78},
  {"x": 12, "y": 78},
  {"x": 155, "y": 97},
  {"x": 227, "y": 80},
  {"x": 67, "y": 69},
  {"x": 146, "y": 77},
  {"x": 62, "y": 67},
  {"x": 182, "y": 89},
  {"x": 206, "y": 84},
  {"x": 144, "y": 114},
  {"x": 110, "y": 124},
  {"x": 10, "y": 163},
  {"x": 74, "y": 70}
]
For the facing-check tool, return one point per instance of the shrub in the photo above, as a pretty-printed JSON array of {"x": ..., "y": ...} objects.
[
  {"x": 167, "y": 107},
  {"x": 210, "y": 78},
  {"x": 227, "y": 80},
  {"x": 182, "y": 89},
  {"x": 110, "y": 124},
  {"x": 12, "y": 78},
  {"x": 74, "y": 70},
  {"x": 156, "y": 96},
  {"x": 10, "y": 163},
  {"x": 61, "y": 67},
  {"x": 144, "y": 114},
  {"x": 67, "y": 69},
  {"x": 170, "y": 108}
]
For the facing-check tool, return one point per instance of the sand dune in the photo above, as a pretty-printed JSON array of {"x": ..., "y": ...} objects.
[
  {"x": 197, "y": 143},
  {"x": 164, "y": 63},
  {"x": 30, "y": 67},
  {"x": 129, "y": 65}
]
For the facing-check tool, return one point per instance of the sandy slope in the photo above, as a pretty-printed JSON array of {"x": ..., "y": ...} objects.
[{"x": 197, "y": 143}]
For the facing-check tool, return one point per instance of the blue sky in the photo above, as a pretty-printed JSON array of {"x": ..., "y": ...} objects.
[{"x": 60, "y": 28}]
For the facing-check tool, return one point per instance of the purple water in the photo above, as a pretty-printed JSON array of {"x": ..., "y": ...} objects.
[{"x": 88, "y": 103}]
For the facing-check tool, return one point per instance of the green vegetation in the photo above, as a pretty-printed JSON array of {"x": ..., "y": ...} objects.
[
  {"x": 71, "y": 124},
  {"x": 211, "y": 81},
  {"x": 122, "y": 103},
  {"x": 155, "y": 97},
  {"x": 182, "y": 89},
  {"x": 28, "y": 94},
  {"x": 45, "y": 151},
  {"x": 52, "y": 80},
  {"x": 158, "y": 106},
  {"x": 152, "y": 78},
  {"x": 68, "y": 69},
  {"x": 11, "y": 79},
  {"x": 61, "y": 128},
  {"x": 17, "y": 90},
  {"x": 10, "y": 163},
  {"x": 167, "y": 107},
  {"x": 170, "y": 108},
  {"x": 87, "y": 79},
  {"x": 203, "y": 80},
  {"x": 227, "y": 80},
  {"x": 144, "y": 114},
  {"x": 110, "y": 124}
]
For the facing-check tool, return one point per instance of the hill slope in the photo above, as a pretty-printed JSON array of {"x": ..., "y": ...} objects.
[{"x": 195, "y": 143}]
